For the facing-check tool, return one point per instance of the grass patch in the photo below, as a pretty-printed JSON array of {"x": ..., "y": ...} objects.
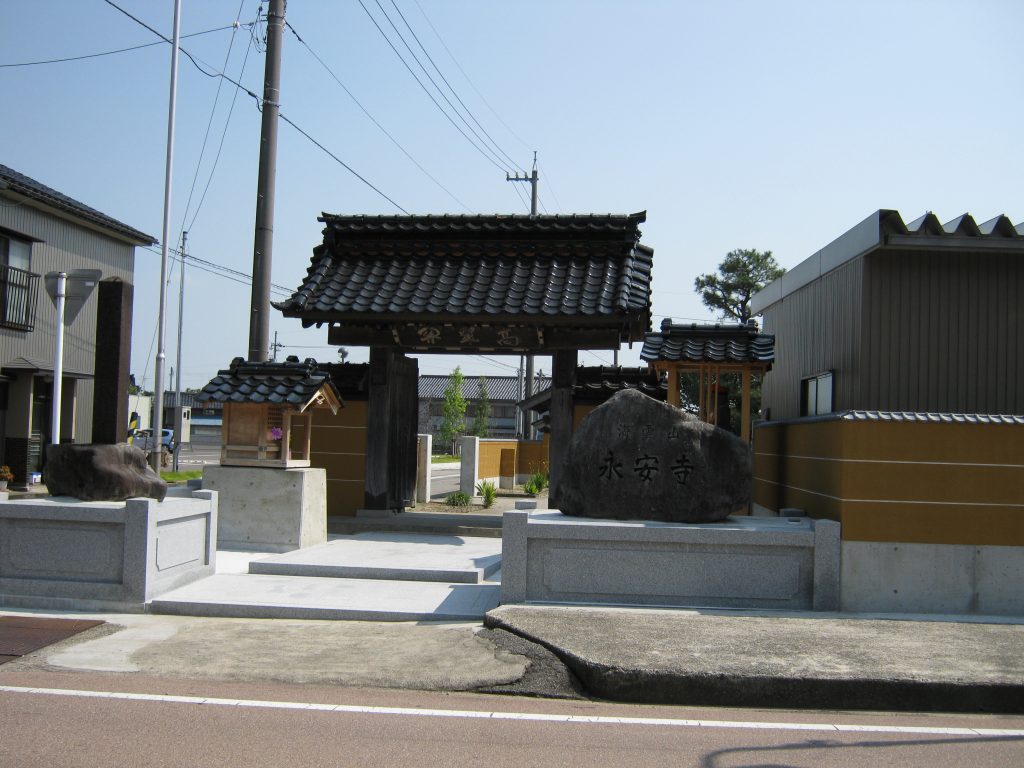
[
  {"x": 181, "y": 477},
  {"x": 444, "y": 458}
]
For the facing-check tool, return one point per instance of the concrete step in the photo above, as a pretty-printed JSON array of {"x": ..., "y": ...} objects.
[
  {"x": 397, "y": 556},
  {"x": 260, "y": 596},
  {"x": 440, "y": 523}
]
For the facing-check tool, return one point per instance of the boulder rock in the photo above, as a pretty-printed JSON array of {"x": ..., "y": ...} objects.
[
  {"x": 101, "y": 473},
  {"x": 635, "y": 458}
]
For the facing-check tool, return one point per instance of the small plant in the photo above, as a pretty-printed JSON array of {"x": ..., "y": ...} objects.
[
  {"x": 540, "y": 480},
  {"x": 489, "y": 492},
  {"x": 457, "y": 499},
  {"x": 531, "y": 488},
  {"x": 5, "y": 474}
]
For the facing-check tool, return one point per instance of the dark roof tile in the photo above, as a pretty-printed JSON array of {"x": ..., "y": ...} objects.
[
  {"x": 291, "y": 382},
  {"x": 708, "y": 344}
]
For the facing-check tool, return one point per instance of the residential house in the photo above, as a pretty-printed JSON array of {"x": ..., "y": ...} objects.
[
  {"x": 503, "y": 393},
  {"x": 43, "y": 231}
]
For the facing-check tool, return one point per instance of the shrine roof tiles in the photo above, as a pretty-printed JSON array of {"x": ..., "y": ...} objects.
[
  {"x": 288, "y": 383},
  {"x": 708, "y": 344},
  {"x": 505, "y": 388},
  {"x": 477, "y": 266}
]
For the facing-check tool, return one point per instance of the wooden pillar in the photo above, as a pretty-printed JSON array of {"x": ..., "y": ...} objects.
[
  {"x": 379, "y": 429},
  {"x": 745, "y": 406},
  {"x": 113, "y": 357},
  {"x": 673, "y": 386},
  {"x": 564, "y": 377}
]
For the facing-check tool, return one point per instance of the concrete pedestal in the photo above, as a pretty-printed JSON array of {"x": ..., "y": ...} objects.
[
  {"x": 65, "y": 554},
  {"x": 272, "y": 509},
  {"x": 743, "y": 562}
]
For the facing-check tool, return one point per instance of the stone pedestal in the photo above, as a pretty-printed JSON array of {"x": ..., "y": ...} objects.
[
  {"x": 424, "y": 452},
  {"x": 743, "y": 562},
  {"x": 269, "y": 509}
]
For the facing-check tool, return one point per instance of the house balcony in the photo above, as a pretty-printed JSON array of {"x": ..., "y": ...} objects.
[{"x": 19, "y": 294}]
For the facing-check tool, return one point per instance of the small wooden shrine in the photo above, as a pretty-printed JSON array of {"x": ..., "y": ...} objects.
[
  {"x": 709, "y": 351},
  {"x": 268, "y": 410}
]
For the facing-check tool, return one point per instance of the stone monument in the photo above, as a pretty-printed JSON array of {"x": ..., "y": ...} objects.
[{"x": 635, "y": 458}]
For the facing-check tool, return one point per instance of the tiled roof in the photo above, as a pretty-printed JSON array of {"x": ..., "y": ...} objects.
[
  {"x": 708, "y": 344},
  {"x": 432, "y": 387},
  {"x": 23, "y": 185},
  {"x": 535, "y": 269},
  {"x": 288, "y": 383},
  {"x": 601, "y": 382},
  {"x": 948, "y": 418}
]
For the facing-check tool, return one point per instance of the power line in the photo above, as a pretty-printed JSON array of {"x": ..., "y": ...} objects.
[
  {"x": 421, "y": 85},
  {"x": 468, "y": 80},
  {"x": 119, "y": 50},
  {"x": 456, "y": 95},
  {"x": 374, "y": 120},
  {"x": 219, "y": 270},
  {"x": 259, "y": 103},
  {"x": 209, "y": 125}
]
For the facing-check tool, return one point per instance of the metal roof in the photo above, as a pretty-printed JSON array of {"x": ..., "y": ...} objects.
[
  {"x": 288, "y": 383},
  {"x": 886, "y": 228},
  {"x": 23, "y": 185},
  {"x": 538, "y": 269},
  {"x": 708, "y": 344},
  {"x": 432, "y": 387}
]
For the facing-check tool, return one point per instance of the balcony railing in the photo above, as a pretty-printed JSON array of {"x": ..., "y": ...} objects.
[{"x": 19, "y": 293}]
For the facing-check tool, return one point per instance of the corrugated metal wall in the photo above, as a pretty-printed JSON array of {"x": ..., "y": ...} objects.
[
  {"x": 944, "y": 332},
  {"x": 817, "y": 328},
  {"x": 64, "y": 246}
]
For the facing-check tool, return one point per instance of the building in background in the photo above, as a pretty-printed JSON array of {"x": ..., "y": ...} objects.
[
  {"x": 41, "y": 231},
  {"x": 896, "y": 407},
  {"x": 503, "y": 392}
]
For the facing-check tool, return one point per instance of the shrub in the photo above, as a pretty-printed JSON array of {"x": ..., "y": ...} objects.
[
  {"x": 457, "y": 499},
  {"x": 540, "y": 480},
  {"x": 531, "y": 487},
  {"x": 488, "y": 490}
]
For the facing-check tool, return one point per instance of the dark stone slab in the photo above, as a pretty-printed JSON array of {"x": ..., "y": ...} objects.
[
  {"x": 101, "y": 473},
  {"x": 634, "y": 458}
]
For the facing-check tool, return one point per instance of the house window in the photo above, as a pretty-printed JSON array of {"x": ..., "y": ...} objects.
[
  {"x": 18, "y": 286},
  {"x": 816, "y": 395}
]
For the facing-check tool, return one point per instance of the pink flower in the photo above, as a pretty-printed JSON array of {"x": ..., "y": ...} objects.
[{"x": 276, "y": 433}]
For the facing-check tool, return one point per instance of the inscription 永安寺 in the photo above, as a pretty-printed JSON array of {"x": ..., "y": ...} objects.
[
  {"x": 681, "y": 469},
  {"x": 610, "y": 469},
  {"x": 646, "y": 467}
]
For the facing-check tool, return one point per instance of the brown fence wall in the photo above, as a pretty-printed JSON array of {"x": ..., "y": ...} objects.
[
  {"x": 907, "y": 481},
  {"x": 339, "y": 446}
]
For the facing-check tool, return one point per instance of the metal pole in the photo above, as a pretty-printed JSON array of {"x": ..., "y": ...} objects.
[
  {"x": 527, "y": 427},
  {"x": 58, "y": 358},
  {"x": 263, "y": 244},
  {"x": 161, "y": 320},
  {"x": 177, "y": 369}
]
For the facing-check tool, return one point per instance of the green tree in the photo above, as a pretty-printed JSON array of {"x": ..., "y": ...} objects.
[
  {"x": 482, "y": 411},
  {"x": 741, "y": 274},
  {"x": 453, "y": 414}
]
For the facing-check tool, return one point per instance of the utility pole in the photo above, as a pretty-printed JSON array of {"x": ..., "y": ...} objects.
[
  {"x": 161, "y": 321},
  {"x": 177, "y": 379},
  {"x": 263, "y": 244},
  {"x": 274, "y": 348},
  {"x": 527, "y": 429}
]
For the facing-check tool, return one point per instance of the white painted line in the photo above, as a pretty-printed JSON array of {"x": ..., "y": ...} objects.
[
  {"x": 444, "y": 477},
  {"x": 524, "y": 716}
]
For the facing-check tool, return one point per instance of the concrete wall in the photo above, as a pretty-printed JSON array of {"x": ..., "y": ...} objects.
[
  {"x": 66, "y": 554},
  {"x": 741, "y": 563},
  {"x": 269, "y": 509},
  {"x": 932, "y": 511}
]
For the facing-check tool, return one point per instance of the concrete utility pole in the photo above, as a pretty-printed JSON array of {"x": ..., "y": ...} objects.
[
  {"x": 263, "y": 245},
  {"x": 161, "y": 321},
  {"x": 526, "y": 429},
  {"x": 177, "y": 379}
]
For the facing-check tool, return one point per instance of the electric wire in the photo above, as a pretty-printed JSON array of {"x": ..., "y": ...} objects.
[
  {"x": 522, "y": 199},
  {"x": 437, "y": 88},
  {"x": 454, "y": 93},
  {"x": 119, "y": 50},
  {"x": 425, "y": 90},
  {"x": 468, "y": 80},
  {"x": 551, "y": 189},
  {"x": 259, "y": 104},
  {"x": 374, "y": 120},
  {"x": 209, "y": 126}
]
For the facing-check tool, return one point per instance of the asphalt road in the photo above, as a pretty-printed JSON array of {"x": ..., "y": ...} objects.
[
  {"x": 444, "y": 479},
  {"x": 125, "y": 720}
]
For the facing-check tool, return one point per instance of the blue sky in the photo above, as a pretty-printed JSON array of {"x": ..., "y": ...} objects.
[{"x": 734, "y": 124}]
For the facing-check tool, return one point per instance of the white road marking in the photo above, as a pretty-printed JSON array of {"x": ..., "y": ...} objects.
[
  {"x": 524, "y": 716},
  {"x": 443, "y": 477}
]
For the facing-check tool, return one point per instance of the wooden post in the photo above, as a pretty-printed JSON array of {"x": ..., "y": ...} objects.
[
  {"x": 673, "y": 386},
  {"x": 379, "y": 433},
  {"x": 745, "y": 406},
  {"x": 564, "y": 377}
]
